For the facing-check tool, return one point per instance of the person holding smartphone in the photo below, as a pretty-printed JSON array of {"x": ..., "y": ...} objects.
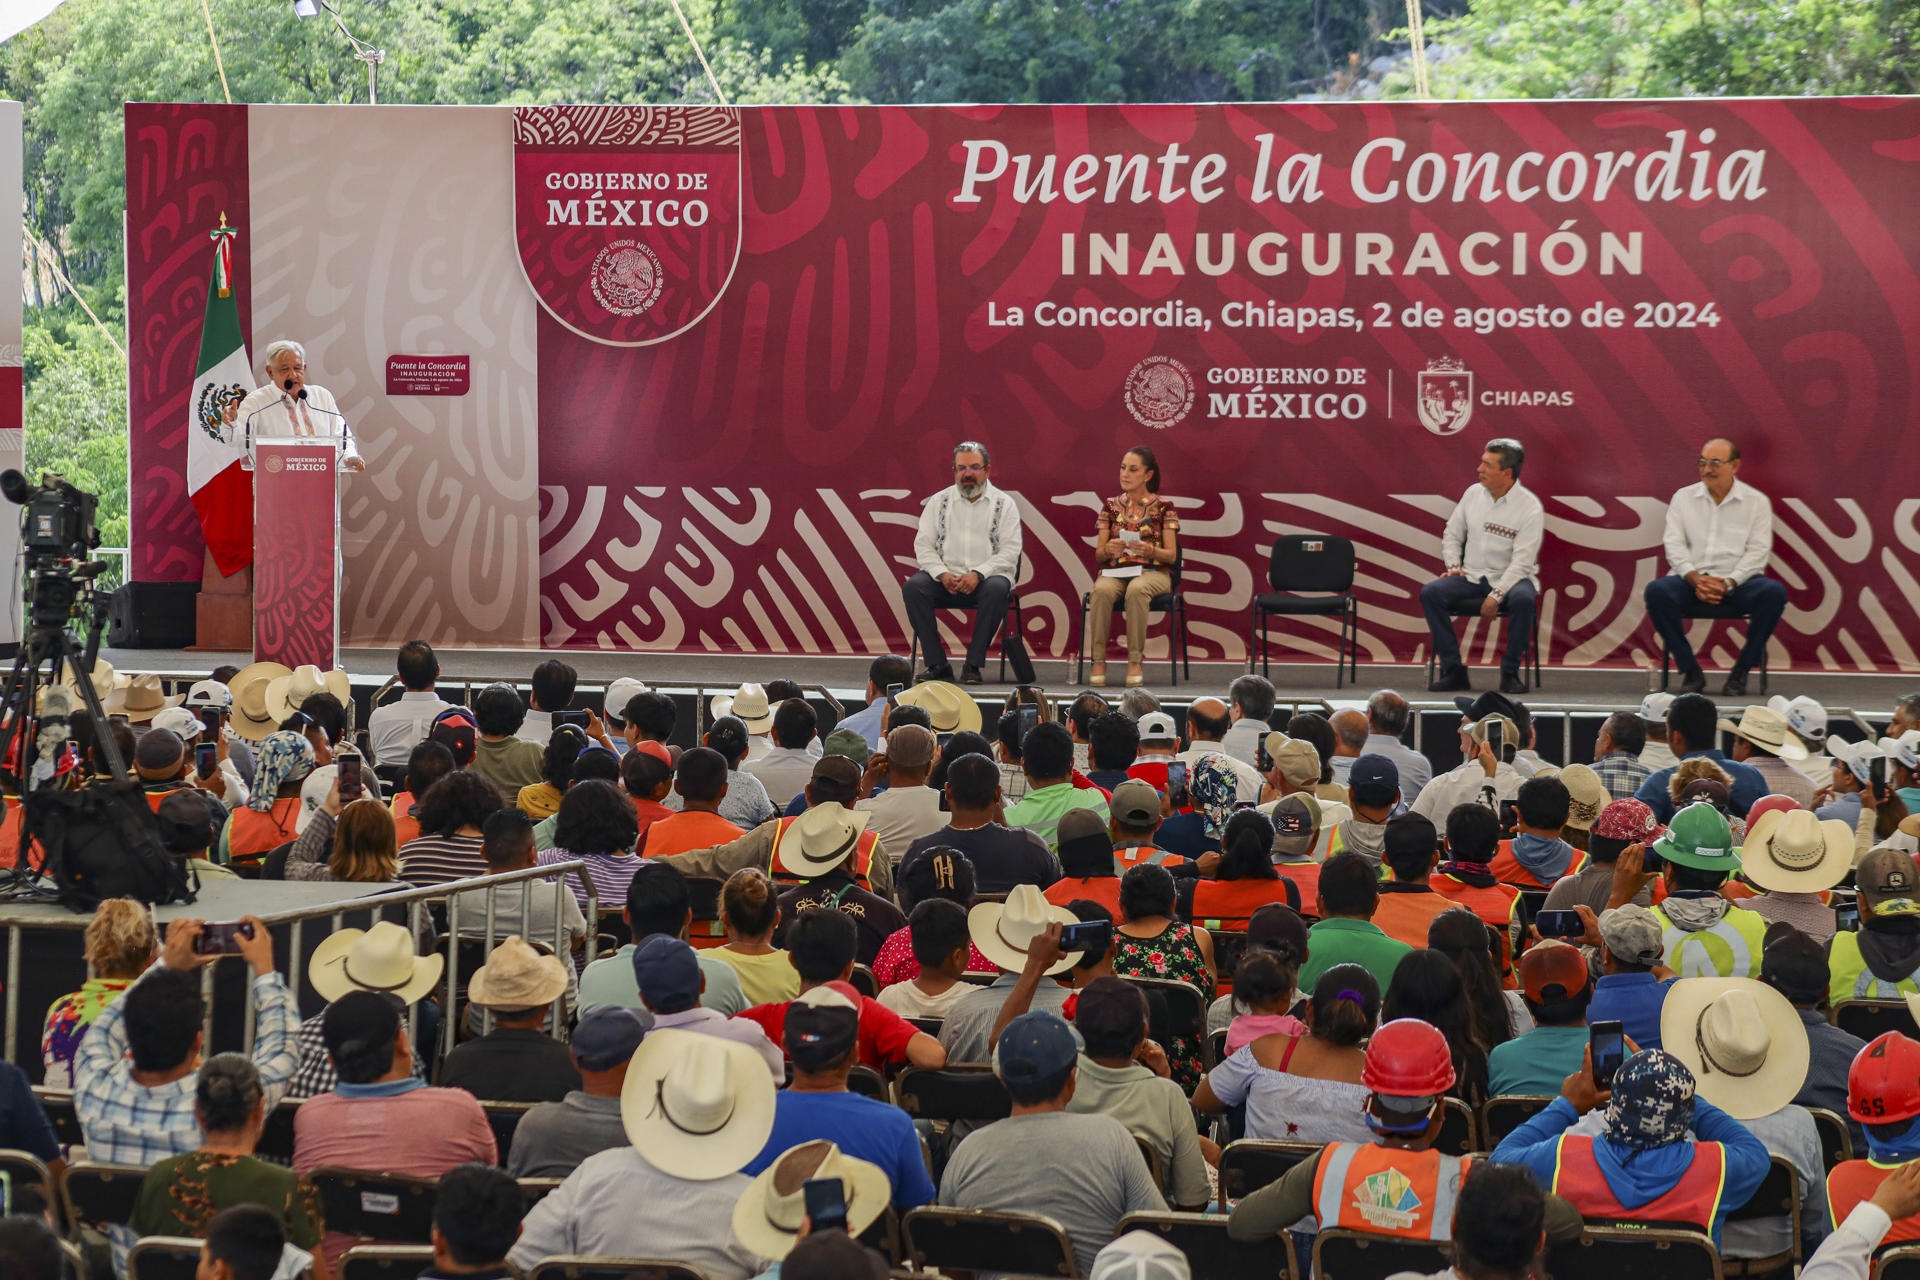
[{"x": 1137, "y": 542}]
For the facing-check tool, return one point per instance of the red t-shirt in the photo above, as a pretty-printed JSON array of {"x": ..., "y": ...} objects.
[{"x": 883, "y": 1033}]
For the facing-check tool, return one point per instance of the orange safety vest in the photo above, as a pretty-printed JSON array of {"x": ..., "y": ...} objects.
[
  {"x": 1388, "y": 1191},
  {"x": 1228, "y": 904},
  {"x": 1125, "y": 860},
  {"x": 1852, "y": 1181},
  {"x": 1507, "y": 869},
  {"x": 1305, "y": 875},
  {"x": 863, "y": 850},
  {"x": 251, "y": 835},
  {"x": 1494, "y": 906},
  {"x": 1693, "y": 1201}
]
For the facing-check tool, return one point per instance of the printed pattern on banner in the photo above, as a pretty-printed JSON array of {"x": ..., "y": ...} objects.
[{"x": 294, "y": 603}]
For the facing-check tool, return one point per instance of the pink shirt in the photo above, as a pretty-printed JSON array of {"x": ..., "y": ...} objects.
[{"x": 1248, "y": 1027}]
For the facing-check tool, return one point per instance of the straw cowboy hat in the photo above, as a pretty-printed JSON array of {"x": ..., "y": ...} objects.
[
  {"x": 1743, "y": 1041},
  {"x": 696, "y": 1106},
  {"x": 516, "y": 976},
  {"x": 1767, "y": 729},
  {"x": 948, "y": 706},
  {"x": 1792, "y": 851},
  {"x": 251, "y": 718},
  {"x": 826, "y": 834},
  {"x": 1003, "y": 931},
  {"x": 748, "y": 703},
  {"x": 105, "y": 678},
  {"x": 376, "y": 959},
  {"x": 286, "y": 693},
  {"x": 139, "y": 700},
  {"x": 767, "y": 1219}
]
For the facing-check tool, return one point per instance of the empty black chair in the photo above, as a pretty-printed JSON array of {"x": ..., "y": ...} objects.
[
  {"x": 1355, "y": 1255},
  {"x": 1025, "y": 1244},
  {"x": 100, "y": 1194},
  {"x": 1169, "y": 602},
  {"x": 1608, "y": 1253},
  {"x": 1211, "y": 1252},
  {"x": 1836, "y": 1140},
  {"x": 1778, "y": 1196},
  {"x": 953, "y": 1093},
  {"x": 1311, "y": 575},
  {"x": 1459, "y": 1131},
  {"x": 164, "y": 1258},
  {"x": 376, "y": 1206},
  {"x": 1501, "y": 1115},
  {"x": 1871, "y": 1019},
  {"x": 503, "y": 1118}
]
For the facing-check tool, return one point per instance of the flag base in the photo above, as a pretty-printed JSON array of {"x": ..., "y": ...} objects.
[{"x": 223, "y": 611}]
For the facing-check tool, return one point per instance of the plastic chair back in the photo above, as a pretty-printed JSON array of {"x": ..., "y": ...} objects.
[{"x": 1311, "y": 562}]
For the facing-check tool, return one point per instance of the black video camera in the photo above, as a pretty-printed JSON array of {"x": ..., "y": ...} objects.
[{"x": 60, "y": 519}]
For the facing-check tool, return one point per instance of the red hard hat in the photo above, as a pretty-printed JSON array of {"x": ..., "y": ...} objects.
[
  {"x": 1883, "y": 1085},
  {"x": 1408, "y": 1058},
  {"x": 1767, "y": 804}
]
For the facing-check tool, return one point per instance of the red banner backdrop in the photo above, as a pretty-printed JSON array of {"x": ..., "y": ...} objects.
[{"x": 1313, "y": 314}]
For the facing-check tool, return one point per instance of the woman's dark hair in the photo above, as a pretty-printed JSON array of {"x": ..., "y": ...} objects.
[
  {"x": 1464, "y": 939},
  {"x": 750, "y": 902},
  {"x": 939, "y": 872},
  {"x": 227, "y": 1090},
  {"x": 1498, "y": 1220},
  {"x": 325, "y": 711},
  {"x": 963, "y": 743},
  {"x": 1263, "y": 977},
  {"x": 1318, "y": 730},
  {"x": 461, "y": 799},
  {"x": 596, "y": 817},
  {"x": 1346, "y": 1005},
  {"x": 1151, "y": 463},
  {"x": 1426, "y": 986},
  {"x": 1248, "y": 842},
  {"x": 1147, "y": 890},
  {"x": 563, "y": 748}
]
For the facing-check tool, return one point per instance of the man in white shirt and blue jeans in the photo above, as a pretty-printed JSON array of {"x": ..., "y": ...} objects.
[
  {"x": 1719, "y": 537},
  {"x": 968, "y": 549},
  {"x": 1492, "y": 554}
]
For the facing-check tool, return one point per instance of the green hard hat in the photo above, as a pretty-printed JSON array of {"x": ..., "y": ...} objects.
[{"x": 1699, "y": 837}]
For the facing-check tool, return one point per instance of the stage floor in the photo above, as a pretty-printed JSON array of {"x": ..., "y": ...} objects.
[{"x": 845, "y": 678}]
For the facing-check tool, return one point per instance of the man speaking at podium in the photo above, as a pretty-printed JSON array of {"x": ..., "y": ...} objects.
[{"x": 290, "y": 406}]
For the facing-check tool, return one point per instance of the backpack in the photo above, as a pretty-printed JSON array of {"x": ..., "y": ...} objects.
[{"x": 103, "y": 841}]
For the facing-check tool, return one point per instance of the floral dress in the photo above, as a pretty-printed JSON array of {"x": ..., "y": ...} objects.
[
  {"x": 67, "y": 1023},
  {"x": 1172, "y": 953}
]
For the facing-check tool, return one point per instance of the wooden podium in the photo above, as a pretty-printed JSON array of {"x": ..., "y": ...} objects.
[{"x": 296, "y": 550}]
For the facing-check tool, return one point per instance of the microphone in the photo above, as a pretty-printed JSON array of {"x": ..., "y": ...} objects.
[
  {"x": 288, "y": 384},
  {"x": 303, "y": 393}
]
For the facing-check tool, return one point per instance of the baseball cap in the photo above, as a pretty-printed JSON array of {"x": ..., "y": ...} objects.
[
  {"x": 1794, "y": 964},
  {"x": 1036, "y": 1046},
  {"x": 837, "y": 769},
  {"x": 1296, "y": 821},
  {"x": 619, "y": 693},
  {"x": 1633, "y": 934},
  {"x": 1655, "y": 706},
  {"x": 1886, "y": 878},
  {"x": 179, "y": 720},
  {"x": 186, "y": 824},
  {"x": 210, "y": 693},
  {"x": 1297, "y": 759},
  {"x": 1629, "y": 820},
  {"x": 1135, "y": 803},
  {"x": 157, "y": 755},
  {"x": 1374, "y": 780},
  {"x": 455, "y": 730},
  {"x": 1551, "y": 971},
  {"x": 1278, "y": 927},
  {"x": 655, "y": 749},
  {"x": 667, "y": 971},
  {"x": 606, "y": 1036},
  {"x": 821, "y": 1026},
  {"x": 1140, "y": 1255},
  {"x": 728, "y": 736},
  {"x": 1084, "y": 842},
  {"x": 911, "y": 747},
  {"x": 1157, "y": 726},
  {"x": 846, "y": 743},
  {"x": 1712, "y": 790}
]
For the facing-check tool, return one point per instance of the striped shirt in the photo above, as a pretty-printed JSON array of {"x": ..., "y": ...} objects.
[
  {"x": 432, "y": 860},
  {"x": 611, "y": 873}
]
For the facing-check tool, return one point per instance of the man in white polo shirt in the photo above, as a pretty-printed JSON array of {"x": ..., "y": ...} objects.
[
  {"x": 1492, "y": 554},
  {"x": 1718, "y": 540}
]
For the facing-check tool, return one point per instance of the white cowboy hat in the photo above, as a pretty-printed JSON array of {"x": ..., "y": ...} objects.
[
  {"x": 251, "y": 718},
  {"x": 1767, "y": 729},
  {"x": 950, "y": 708},
  {"x": 1792, "y": 851},
  {"x": 139, "y": 700},
  {"x": 1003, "y": 931},
  {"x": 821, "y": 838},
  {"x": 749, "y": 703},
  {"x": 1586, "y": 793},
  {"x": 696, "y": 1106},
  {"x": 286, "y": 693},
  {"x": 766, "y": 1221},
  {"x": 1807, "y": 718},
  {"x": 376, "y": 959},
  {"x": 1745, "y": 1045},
  {"x": 516, "y": 976}
]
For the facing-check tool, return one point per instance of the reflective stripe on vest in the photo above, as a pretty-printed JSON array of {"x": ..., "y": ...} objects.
[
  {"x": 1694, "y": 1199},
  {"x": 1388, "y": 1190},
  {"x": 1851, "y": 979},
  {"x": 863, "y": 849},
  {"x": 1690, "y": 953},
  {"x": 1852, "y": 1181}
]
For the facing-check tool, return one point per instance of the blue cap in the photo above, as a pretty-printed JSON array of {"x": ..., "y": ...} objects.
[
  {"x": 607, "y": 1036},
  {"x": 1375, "y": 780},
  {"x": 667, "y": 971},
  {"x": 1036, "y": 1046}
]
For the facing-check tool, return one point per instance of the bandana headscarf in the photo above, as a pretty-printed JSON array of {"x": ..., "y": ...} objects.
[
  {"x": 283, "y": 757},
  {"x": 1652, "y": 1100},
  {"x": 1896, "y": 1150},
  {"x": 1214, "y": 792}
]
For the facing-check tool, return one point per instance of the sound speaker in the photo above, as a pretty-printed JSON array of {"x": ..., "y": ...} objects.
[{"x": 152, "y": 615}]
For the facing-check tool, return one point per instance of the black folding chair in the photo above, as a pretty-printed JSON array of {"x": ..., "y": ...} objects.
[
  {"x": 385, "y": 1262},
  {"x": 1608, "y": 1253},
  {"x": 1012, "y": 629},
  {"x": 164, "y": 1258},
  {"x": 1459, "y": 1131},
  {"x": 1174, "y": 1008},
  {"x": 929, "y": 1025},
  {"x": 1901, "y": 1263},
  {"x": 1228, "y": 946},
  {"x": 376, "y": 1206},
  {"x": 1357, "y": 1255},
  {"x": 953, "y": 1093},
  {"x": 538, "y": 1189},
  {"x": 1871, "y": 1019},
  {"x": 1529, "y": 658},
  {"x": 28, "y": 1176},
  {"x": 1695, "y": 609},
  {"x": 572, "y": 1267},
  {"x": 100, "y": 1194},
  {"x": 1778, "y": 1196},
  {"x": 276, "y": 1135},
  {"x": 1320, "y": 564},
  {"x": 867, "y": 1082},
  {"x": 504, "y": 1118},
  {"x": 1501, "y": 1115},
  {"x": 58, "y": 1104},
  {"x": 1211, "y": 1253},
  {"x": 1836, "y": 1140},
  {"x": 863, "y": 981},
  {"x": 1169, "y": 602},
  {"x": 1026, "y": 1244},
  {"x": 1250, "y": 1164}
]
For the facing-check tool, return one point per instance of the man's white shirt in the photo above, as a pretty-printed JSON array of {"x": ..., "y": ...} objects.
[
  {"x": 269, "y": 411},
  {"x": 960, "y": 536},
  {"x": 1496, "y": 538},
  {"x": 1731, "y": 539},
  {"x": 395, "y": 729}
]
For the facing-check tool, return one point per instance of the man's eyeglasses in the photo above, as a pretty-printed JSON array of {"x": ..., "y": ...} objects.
[
  {"x": 1712, "y": 464},
  {"x": 964, "y": 471}
]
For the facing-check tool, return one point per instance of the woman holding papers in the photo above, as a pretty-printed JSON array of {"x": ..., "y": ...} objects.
[{"x": 1139, "y": 534}]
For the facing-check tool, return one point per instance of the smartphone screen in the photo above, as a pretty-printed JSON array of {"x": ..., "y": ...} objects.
[
  {"x": 1846, "y": 916},
  {"x": 221, "y": 938},
  {"x": 350, "y": 782},
  {"x": 1262, "y": 760},
  {"x": 1029, "y": 720},
  {"x": 576, "y": 718},
  {"x": 826, "y": 1204},
  {"x": 1559, "y": 924},
  {"x": 206, "y": 758},
  {"x": 1608, "y": 1041},
  {"x": 1877, "y": 774},
  {"x": 211, "y": 719},
  {"x": 1090, "y": 935},
  {"x": 893, "y": 694},
  {"x": 1177, "y": 784},
  {"x": 1496, "y": 738}
]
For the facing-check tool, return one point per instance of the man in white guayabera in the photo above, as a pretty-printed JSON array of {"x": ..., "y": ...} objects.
[
  {"x": 1492, "y": 554},
  {"x": 289, "y": 405},
  {"x": 968, "y": 549}
]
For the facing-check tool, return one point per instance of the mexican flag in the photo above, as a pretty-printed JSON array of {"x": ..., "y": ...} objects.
[{"x": 222, "y": 491}]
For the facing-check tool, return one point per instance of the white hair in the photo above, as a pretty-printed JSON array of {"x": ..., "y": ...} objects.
[{"x": 279, "y": 345}]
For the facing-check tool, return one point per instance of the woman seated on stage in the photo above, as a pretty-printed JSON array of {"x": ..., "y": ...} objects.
[{"x": 1139, "y": 541}]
